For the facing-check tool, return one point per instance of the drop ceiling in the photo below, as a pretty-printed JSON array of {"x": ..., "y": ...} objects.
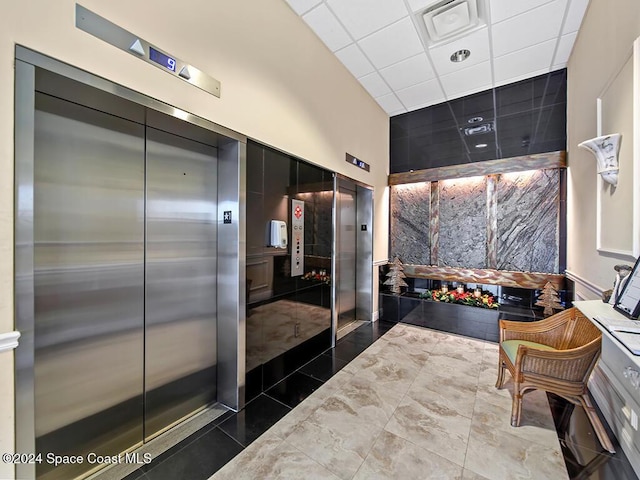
[{"x": 398, "y": 59}]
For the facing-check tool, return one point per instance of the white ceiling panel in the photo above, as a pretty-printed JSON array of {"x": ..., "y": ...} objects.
[
  {"x": 420, "y": 5},
  {"x": 522, "y": 31},
  {"x": 421, "y": 95},
  {"x": 515, "y": 65},
  {"x": 353, "y": 58},
  {"x": 392, "y": 44},
  {"x": 565, "y": 45},
  {"x": 363, "y": 17},
  {"x": 327, "y": 27},
  {"x": 577, "y": 8},
  {"x": 303, "y": 6},
  {"x": 385, "y": 45},
  {"x": 470, "y": 80},
  {"x": 408, "y": 72},
  {"x": 375, "y": 85},
  {"x": 391, "y": 104},
  {"x": 477, "y": 43},
  {"x": 503, "y": 9}
]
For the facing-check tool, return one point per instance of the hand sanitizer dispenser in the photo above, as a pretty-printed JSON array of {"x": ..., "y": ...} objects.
[{"x": 278, "y": 234}]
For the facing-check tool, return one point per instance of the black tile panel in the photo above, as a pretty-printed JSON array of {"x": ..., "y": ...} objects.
[
  {"x": 294, "y": 388},
  {"x": 255, "y": 419},
  {"x": 324, "y": 367}
]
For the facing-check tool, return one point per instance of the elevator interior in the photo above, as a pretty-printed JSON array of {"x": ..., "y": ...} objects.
[{"x": 129, "y": 257}]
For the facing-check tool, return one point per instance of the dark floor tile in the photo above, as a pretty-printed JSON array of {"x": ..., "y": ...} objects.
[
  {"x": 294, "y": 389},
  {"x": 584, "y": 456},
  {"x": 347, "y": 350},
  {"x": 199, "y": 459},
  {"x": 324, "y": 367},
  {"x": 255, "y": 419},
  {"x": 136, "y": 475}
]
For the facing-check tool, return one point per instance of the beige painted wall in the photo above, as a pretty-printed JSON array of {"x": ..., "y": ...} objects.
[
  {"x": 280, "y": 86},
  {"x": 603, "y": 45}
]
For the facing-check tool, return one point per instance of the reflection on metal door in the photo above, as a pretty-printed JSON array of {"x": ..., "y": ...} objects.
[
  {"x": 346, "y": 255},
  {"x": 180, "y": 306},
  {"x": 88, "y": 264}
]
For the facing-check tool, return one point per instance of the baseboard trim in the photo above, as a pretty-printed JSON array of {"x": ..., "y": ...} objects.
[{"x": 591, "y": 287}]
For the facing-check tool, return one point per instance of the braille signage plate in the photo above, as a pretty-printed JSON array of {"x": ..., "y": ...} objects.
[
  {"x": 357, "y": 162},
  {"x": 226, "y": 216}
]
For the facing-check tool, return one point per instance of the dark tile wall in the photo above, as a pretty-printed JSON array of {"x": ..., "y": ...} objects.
[
  {"x": 522, "y": 118},
  {"x": 273, "y": 180}
]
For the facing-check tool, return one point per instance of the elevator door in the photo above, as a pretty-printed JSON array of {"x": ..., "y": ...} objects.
[
  {"x": 125, "y": 277},
  {"x": 88, "y": 281},
  {"x": 346, "y": 294},
  {"x": 180, "y": 308}
]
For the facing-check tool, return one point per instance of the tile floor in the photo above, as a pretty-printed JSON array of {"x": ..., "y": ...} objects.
[{"x": 393, "y": 402}]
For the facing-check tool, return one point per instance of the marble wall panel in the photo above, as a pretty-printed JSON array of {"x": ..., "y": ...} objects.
[
  {"x": 410, "y": 223},
  {"x": 528, "y": 210},
  {"x": 463, "y": 223}
]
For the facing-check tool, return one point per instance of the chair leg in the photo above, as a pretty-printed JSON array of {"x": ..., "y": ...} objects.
[
  {"x": 516, "y": 405},
  {"x": 501, "y": 368},
  {"x": 601, "y": 433}
]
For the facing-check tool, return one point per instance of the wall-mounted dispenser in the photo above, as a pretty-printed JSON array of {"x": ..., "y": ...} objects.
[{"x": 278, "y": 236}]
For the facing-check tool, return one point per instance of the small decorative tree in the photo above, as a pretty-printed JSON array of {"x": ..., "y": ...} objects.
[
  {"x": 395, "y": 276},
  {"x": 549, "y": 299}
]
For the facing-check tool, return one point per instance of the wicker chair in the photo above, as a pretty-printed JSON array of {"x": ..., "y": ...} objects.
[{"x": 556, "y": 355}]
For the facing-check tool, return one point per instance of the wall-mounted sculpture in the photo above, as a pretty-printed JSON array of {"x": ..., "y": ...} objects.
[{"x": 605, "y": 149}]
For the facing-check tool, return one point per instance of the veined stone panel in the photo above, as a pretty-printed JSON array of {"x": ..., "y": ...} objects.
[
  {"x": 410, "y": 223},
  {"x": 463, "y": 223},
  {"x": 528, "y": 210}
]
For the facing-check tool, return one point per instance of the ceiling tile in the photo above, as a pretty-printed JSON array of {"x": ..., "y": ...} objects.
[
  {"x": 392, "y": 44},
  {"x": 525, "y": 63},
  {"x": 353, "y": 58},
  {"x": 375, "y": 85},
  {"x": 363, "y": 17},
  {"x": 524, "y": 30},
  {"x": 408, "y": 72},
  {"x": 477, "y": 43},
  {"x": 421, "y": 95},
  {"x": 303, "y": 6},
  {"x": 565, "y": 45},
  {"x": 467, "y": 81},
  {"x": 327, "y": 27},
  {"x": 418, "y": 5},
  {"x": 391, "y": 104},
  {"x": 574, "y": 15},
  {"x": 503, "y": 9}
]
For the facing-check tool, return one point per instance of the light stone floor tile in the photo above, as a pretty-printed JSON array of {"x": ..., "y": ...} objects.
[
  {"x": 501, "y": 456},
  {"x": 539, "y": 429},
  {"x": 271, "y": 457},
  {"x": 365, "y": 399},
  {"x": 433, "y": 427},
  {"x": 445, "y": 392},
  {"x": 393, "y": 458},
  {"x": 335, "y": 439},
  {"x": 469, "y": 475},
  {"x": 444, "y": 419}
]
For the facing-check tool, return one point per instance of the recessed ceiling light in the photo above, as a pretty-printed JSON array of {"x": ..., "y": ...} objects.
[
  {"x": 481, "y": 145},
  {"x": 460, "y": 56},
  {"x": 475, "y": 119}
]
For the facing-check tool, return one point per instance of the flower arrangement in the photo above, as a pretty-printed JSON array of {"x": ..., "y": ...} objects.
[
  {"x": 476, "y": 298},
  {"x": 320, "y": 276}
]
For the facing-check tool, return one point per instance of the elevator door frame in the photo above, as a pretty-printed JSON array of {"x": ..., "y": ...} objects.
[
  {"x": 231, "y": 239},
  {"x": 364, "y": 250}
]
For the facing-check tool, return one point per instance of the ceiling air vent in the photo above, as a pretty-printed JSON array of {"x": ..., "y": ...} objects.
[{"x": 450, "y": 17}]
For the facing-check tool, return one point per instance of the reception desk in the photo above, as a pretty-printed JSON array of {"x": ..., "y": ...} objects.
[{"x": 615, "y": 381}]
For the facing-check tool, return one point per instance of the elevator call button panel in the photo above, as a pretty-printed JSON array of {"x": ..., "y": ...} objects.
[
  {"x": 117, "y": 36},
  {"x": 297, "y": 238}
]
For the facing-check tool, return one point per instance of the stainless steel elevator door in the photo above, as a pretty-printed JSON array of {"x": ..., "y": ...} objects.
[
  {"x": 346, "y": 301},
  {"x": 88, "y": 275},
  {"x": 181, "y": 262}
]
